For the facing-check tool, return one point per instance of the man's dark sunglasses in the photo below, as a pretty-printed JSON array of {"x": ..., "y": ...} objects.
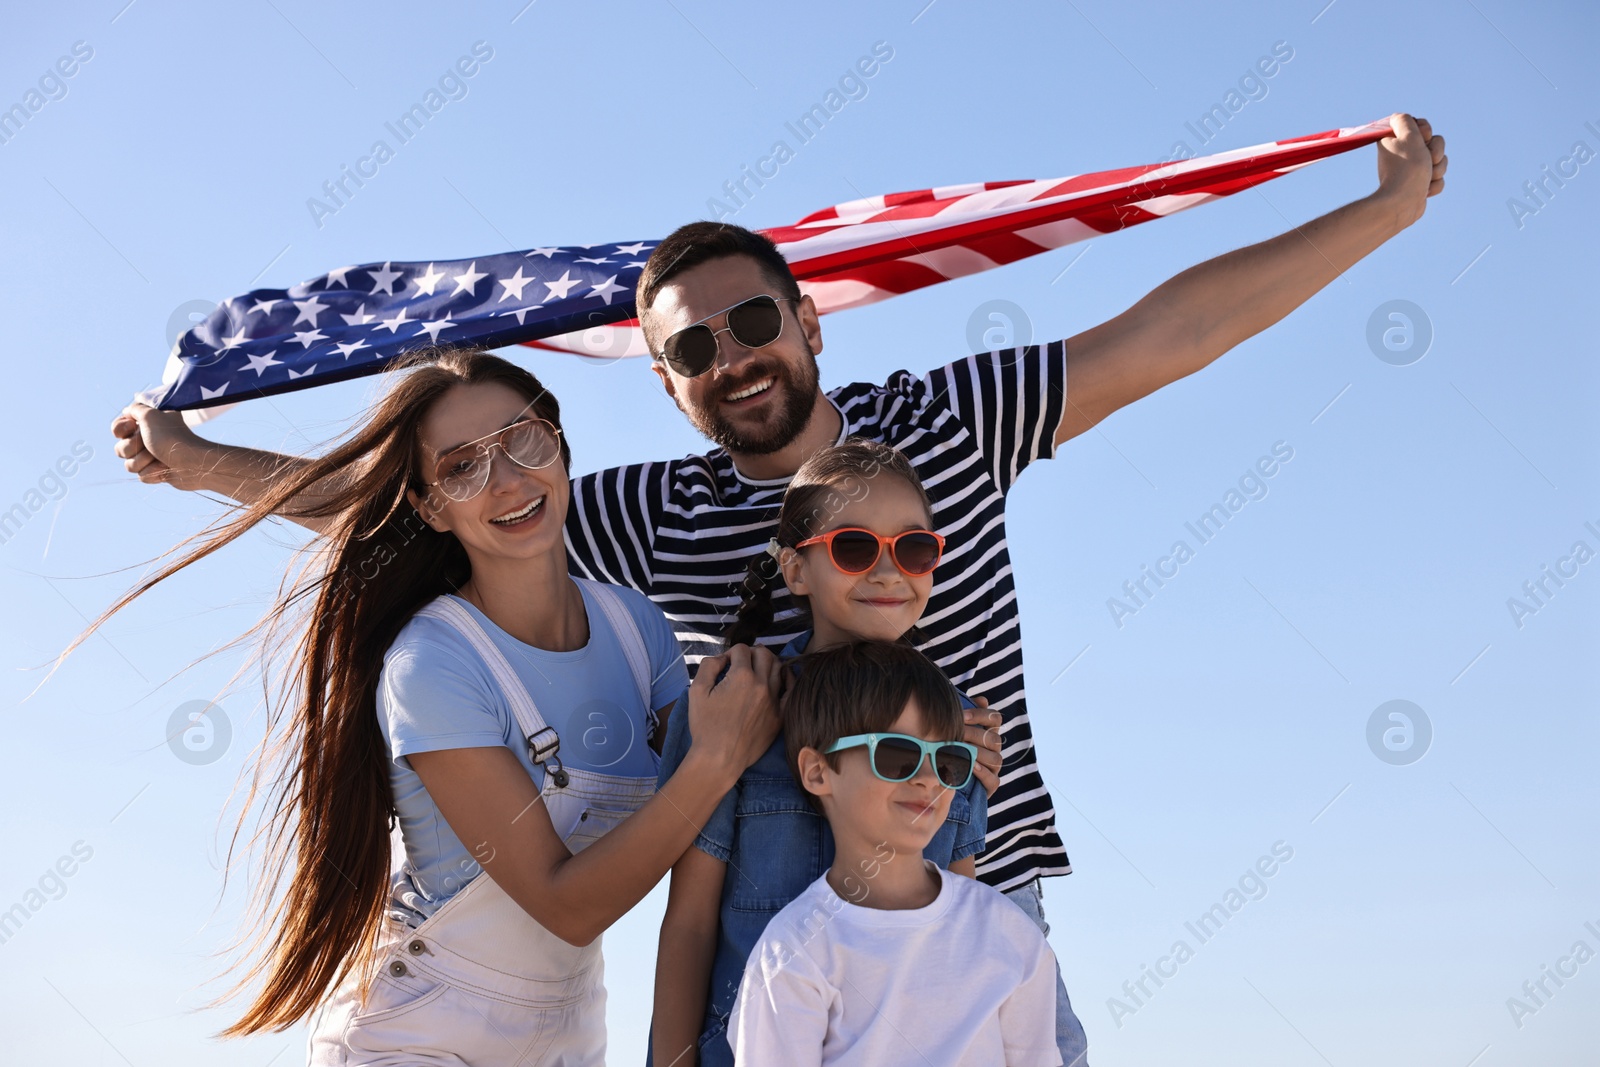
[{"x": 754, "y": 323}]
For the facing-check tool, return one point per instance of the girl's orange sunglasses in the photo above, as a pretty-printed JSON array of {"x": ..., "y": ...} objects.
[{"x": 856, "y": 551}]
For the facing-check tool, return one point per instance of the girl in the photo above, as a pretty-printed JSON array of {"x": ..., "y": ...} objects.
[
  {"x": 456, "y": 681},
  {"x": 855, "y": 546}
]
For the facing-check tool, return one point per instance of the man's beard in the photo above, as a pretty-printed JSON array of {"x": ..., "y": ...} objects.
[{"x": 800, "y": 398}]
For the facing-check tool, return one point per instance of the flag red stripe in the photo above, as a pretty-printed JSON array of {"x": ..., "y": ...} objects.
[{"x": 1199, "y": 180}]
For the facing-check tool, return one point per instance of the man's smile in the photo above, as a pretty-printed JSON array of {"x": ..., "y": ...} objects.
[{"x": 746, "y": 393}]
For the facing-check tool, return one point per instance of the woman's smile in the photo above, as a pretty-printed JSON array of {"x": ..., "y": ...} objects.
[{"x": 521, "y": 516}]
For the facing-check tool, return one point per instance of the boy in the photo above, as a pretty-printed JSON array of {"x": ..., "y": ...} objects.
[{"x": 887, "y": 959}]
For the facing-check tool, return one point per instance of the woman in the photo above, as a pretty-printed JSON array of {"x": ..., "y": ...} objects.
[{"x": 455, "y": 679}]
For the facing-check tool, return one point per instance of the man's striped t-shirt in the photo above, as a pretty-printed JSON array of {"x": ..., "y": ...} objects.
[{"x": 684, "y": 531}]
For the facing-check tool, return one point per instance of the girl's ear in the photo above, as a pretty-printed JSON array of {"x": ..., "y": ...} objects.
[
  {"x": 428, "y": 510},
  {"x": 814, "y": 773},
  {"x": 793, "y": 568}
]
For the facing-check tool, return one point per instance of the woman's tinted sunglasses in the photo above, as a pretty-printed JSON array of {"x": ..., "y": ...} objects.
[{"x": 462, "y": 472}]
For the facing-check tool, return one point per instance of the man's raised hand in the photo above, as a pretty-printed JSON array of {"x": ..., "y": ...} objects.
[{"x": 1411, "y": 165}]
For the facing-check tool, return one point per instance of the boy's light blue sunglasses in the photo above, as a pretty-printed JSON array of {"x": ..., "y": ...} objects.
[{"x": 898, "y": 757}]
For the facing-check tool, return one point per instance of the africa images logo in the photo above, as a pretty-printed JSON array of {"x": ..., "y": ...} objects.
[
  {"x": 1399, "y": 732},
  {"x": 198, "y": 732}
]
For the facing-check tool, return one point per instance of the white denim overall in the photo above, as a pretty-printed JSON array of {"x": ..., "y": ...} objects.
[{"x": 481, "y": 983}]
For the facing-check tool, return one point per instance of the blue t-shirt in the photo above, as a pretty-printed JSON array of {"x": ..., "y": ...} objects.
[
  {"x": 437, "y": 693},
  {"x": 775, "y": 845}
]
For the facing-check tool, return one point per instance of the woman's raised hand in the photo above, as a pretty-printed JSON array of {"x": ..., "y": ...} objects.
[
  {"x": 733, "y": 706},
  {"x": 147, "y": 440}
]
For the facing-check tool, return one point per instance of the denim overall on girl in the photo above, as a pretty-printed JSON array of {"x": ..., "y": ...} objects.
[
  {"x": 775, "y": 845},
  {"x": 481, "y": 982}
]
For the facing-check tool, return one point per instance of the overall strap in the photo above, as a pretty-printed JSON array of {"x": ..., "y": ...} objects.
[
  {"x": 543, "y": 742},
  {"x": 626, "y": 627}
]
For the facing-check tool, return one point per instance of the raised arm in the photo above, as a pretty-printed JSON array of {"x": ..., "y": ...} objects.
[
  {"x": 1193, "y": 318},
  {"x": 158, "y": 446}
]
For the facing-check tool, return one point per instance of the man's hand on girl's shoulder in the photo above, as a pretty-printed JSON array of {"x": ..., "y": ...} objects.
[{"x": 983, "y": 730}]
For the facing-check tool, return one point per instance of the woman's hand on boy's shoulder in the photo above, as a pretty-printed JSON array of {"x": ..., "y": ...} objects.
[
  {"x": 983, "y": 730},
  {"x": 733, "y": 706}
]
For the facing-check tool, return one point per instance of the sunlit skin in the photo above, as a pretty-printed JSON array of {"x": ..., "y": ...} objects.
[
  {"x": 1175, "y": 330},
  {"x": 520, "y": 581},
  {"x": 519, "y": 570},
  {"x": 883, "y": 603},
  {"x": 707, "y": 289},
  {"x": 1178, "y": 328},
  {"x": 880, "y": 828}
]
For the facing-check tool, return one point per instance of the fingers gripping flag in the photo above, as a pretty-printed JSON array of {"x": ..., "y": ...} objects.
[{"x": 352, "y": 321}]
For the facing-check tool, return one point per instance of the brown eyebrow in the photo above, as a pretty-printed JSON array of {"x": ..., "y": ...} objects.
[
  {"x": 917, "y": 527},
  {"x": 522, "y": 416}
]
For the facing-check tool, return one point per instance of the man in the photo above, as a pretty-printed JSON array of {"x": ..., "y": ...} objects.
[{"x": 684, "y": 531}]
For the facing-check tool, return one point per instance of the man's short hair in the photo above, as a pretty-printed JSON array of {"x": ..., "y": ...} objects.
[
  {"x": 699, "y": 242},
  {"x": 862, "y": 688}
]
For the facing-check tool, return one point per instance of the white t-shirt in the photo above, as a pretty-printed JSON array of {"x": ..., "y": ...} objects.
[{"x": 967, "y": 980}]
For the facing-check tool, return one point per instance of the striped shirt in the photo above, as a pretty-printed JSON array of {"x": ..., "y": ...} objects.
[{"x": 683, "y": 532}]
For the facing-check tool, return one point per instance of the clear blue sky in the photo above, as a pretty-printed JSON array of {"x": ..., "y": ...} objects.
[{"x": 1228, "y": 714}]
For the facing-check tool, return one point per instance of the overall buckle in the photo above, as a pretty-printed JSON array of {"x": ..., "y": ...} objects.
[{"x": 544, "y": 752}]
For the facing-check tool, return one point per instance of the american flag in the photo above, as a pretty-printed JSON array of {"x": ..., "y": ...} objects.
[{"x": 580, "y": 299}]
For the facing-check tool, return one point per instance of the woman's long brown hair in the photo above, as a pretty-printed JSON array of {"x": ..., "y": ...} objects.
[{"x": 326, "y": 770}]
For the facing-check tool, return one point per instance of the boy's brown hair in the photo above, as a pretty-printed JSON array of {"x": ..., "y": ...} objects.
[{"x": 861, "y": 688}]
